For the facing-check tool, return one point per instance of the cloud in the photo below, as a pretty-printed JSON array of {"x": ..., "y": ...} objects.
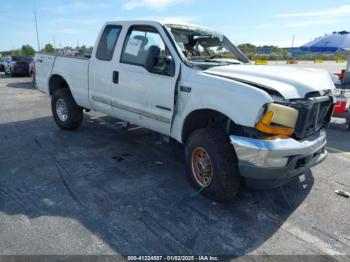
[
  {"x": 331, "y": 12},
  {"x": 310, "y": 23},
  {"x": 152, "y": 4}
]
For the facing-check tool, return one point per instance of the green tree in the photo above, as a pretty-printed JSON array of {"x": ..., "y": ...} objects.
[
  {"x": 27, "y": 50},
  {"x": 247, "y": 48},
  {"x": 49, "y": 48}
]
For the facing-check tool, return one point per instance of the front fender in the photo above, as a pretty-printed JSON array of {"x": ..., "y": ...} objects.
[{"x": 238, "y": 101}]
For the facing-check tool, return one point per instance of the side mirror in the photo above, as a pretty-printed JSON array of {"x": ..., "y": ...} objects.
[
  {"x": 152, "y": 57},
  {"x": 170, "y": 66}
]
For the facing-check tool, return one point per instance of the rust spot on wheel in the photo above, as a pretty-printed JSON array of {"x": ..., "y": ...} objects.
[{"x": 202, "y": 168}]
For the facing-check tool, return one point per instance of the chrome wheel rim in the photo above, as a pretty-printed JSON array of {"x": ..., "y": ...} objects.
[
  {"x": 62, "y": 110},
  {"x": 202, "y": 168}
]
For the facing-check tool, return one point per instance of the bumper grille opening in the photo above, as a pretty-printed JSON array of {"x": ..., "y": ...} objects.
[{"x": 300, "y": 163}]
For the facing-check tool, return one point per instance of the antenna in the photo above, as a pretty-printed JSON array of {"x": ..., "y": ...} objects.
[{"x": 36, "y": 27}]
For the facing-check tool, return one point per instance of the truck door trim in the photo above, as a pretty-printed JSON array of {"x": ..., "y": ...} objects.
[{"x": 131, "y": 109}]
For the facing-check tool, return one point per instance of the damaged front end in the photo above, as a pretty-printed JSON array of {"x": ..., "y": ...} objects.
[
  {"x": 310, "y": 115},
  {"x": 295, "y": 141}
]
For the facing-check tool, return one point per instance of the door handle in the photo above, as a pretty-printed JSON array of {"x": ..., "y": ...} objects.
[{"x": 115, "y": 77}]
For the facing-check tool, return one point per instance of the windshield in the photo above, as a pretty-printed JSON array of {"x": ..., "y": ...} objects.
[{"x": 204, "y": 46}]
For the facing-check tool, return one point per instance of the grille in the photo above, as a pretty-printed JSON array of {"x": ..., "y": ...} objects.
[{"x": 314, "y": 114}]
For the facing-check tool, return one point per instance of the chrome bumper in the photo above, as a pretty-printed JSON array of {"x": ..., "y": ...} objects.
[{"x": 278, "y": 159}]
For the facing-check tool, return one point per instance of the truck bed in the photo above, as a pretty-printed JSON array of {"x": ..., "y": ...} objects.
[{"x": 75, "y": 71}]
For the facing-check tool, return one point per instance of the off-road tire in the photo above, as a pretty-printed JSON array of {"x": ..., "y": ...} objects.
[
  {"x": 75, "y": 112},
  {"x": 225, "y": 181}
]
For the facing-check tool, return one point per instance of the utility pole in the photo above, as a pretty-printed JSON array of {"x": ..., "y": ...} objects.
[{"x": 36, "y": 27}]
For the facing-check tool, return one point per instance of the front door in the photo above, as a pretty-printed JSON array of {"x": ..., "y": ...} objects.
[{"x": 142, "y": 96}]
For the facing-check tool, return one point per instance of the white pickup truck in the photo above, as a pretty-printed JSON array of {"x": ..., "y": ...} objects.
[{"x": 263, "y": 123}]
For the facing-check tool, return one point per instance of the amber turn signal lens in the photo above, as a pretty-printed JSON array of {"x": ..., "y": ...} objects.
[
  {"x": 265, "y": 126},
  {"x": 267, "y": 118}
]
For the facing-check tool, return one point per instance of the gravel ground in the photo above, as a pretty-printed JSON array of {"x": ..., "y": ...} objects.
[{"x": 108, "y": 190}]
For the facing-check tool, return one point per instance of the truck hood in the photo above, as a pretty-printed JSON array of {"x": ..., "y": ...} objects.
[{"x": 290, "y": 82}]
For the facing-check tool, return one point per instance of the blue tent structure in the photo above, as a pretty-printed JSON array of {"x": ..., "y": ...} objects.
[{"x": 338, "y": 41}]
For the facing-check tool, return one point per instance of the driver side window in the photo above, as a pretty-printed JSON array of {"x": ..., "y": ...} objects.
[{"x": 139, "y": 43}]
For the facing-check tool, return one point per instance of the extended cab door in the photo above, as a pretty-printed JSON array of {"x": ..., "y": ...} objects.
[
  {"x": 143, "y": 95},
  {"x": 101, "y": 69}
]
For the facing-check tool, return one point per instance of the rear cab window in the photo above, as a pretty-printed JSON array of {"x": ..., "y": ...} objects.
[{"x": 108, "y": 41}]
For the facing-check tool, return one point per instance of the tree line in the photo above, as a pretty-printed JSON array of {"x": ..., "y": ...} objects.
[{"x": 28, "y": 50}]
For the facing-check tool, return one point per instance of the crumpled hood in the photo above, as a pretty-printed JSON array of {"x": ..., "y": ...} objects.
[{"x": 290, "y": 82}]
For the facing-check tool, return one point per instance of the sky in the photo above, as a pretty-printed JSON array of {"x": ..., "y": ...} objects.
[{"x": 260, "y": 22}]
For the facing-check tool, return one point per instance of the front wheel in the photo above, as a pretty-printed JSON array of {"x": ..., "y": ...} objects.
[
  {"x": 212, "y": 164},
  {"x": 67, "y": 114}
]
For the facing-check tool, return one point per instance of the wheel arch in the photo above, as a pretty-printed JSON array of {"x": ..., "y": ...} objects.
[
  {"x": 202, "y": 118},
  {"x": 56, "y": 82}
]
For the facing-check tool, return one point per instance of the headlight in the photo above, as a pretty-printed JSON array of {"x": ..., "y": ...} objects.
[{"x": 278, "y": 120}]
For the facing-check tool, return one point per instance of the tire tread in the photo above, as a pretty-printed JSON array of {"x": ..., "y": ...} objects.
[{"x": 226, "y": 180}]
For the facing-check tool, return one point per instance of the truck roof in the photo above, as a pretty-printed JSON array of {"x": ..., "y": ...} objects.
[{"x": 162, "y": 22}]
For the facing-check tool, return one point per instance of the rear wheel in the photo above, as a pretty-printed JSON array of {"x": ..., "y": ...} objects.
[
  {"x": 212, "y": 164},
  {"x": 67, "y": 114}
]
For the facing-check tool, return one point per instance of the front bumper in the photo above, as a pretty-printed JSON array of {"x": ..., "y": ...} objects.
[{"x": 278, "y": 160}]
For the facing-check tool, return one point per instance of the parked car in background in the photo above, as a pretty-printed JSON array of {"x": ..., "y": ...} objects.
[
  {"x": 32, "y": 72},
  {"x": 5, "y": 64},
  {"x": 19, "y": 65},
  {"x": 2, "y": 66}
]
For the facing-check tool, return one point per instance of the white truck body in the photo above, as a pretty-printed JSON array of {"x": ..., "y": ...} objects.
[{"x": 163, "y": 103}]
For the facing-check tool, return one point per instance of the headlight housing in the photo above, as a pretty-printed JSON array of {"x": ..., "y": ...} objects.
[{"x": 278, "y": 120}]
